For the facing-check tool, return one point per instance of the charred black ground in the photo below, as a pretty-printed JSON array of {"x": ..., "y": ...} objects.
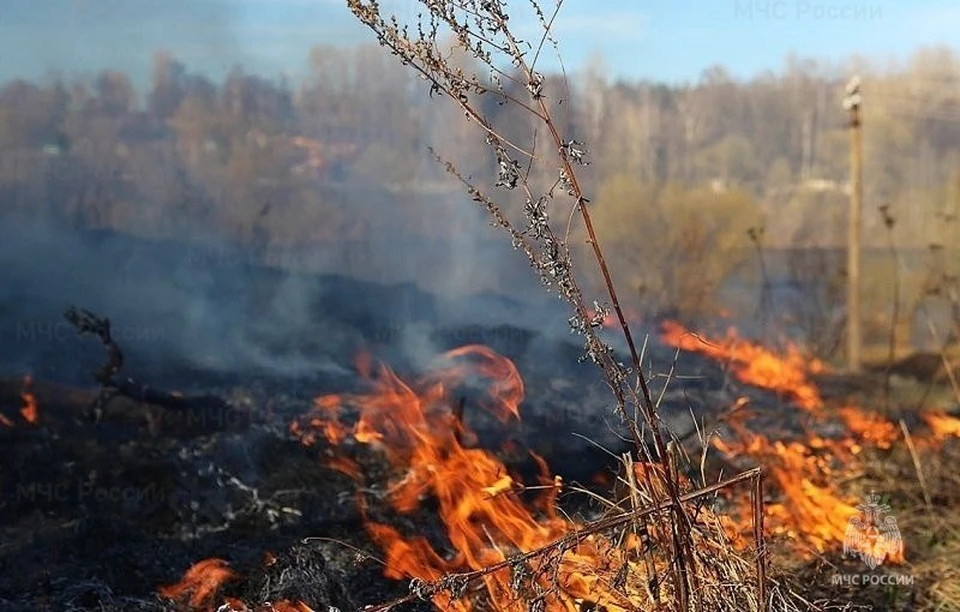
[
  {"x": 103, "y": 506},
  {"x": 194, "y": 459}
]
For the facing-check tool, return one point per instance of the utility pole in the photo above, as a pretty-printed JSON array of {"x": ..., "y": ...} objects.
[{"x": 851, "y": 103}]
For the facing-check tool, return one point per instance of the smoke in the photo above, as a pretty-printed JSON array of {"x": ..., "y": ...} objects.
[
  {"x": 197, "y": 300},
  {"x": 164, "y": 303},
  {"x": 204, "y": 305}
]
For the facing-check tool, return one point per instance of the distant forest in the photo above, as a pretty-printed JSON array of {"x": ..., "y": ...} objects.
[{"x": 341, "y": 157}]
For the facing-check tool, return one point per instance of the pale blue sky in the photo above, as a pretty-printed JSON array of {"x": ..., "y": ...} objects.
[{"x": 671, "y": 40}]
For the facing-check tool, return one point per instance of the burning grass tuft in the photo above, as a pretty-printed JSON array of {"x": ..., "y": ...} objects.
[{"x": 512, "y": 548}]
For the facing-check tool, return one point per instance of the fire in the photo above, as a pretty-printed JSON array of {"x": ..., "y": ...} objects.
[
  {"x": 488, "y": 515},
  {"x": 870, "y": 427},
  {"x": 198, "y": 590},
  {"x": 200, "y": 584},
  {"x": 812, "y": 512},
  {"x": 754, "y": 364},
  {"x": 481, "y": 505},
  {"x": 29, "y": 411},
  {"x": 943, "y": 425}
]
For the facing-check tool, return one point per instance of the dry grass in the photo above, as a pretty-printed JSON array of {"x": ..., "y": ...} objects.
[
  {"x": 661, "y": 545},
  {"x": 492, "y": 64},
  {"x": 931, "y": 534},
  {"x": 923, "y": 481}
]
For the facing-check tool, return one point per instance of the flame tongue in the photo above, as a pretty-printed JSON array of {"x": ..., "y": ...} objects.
[
  {"x": 806, "y": 471},
  {"x": 200, "y": 584},
  {"x": 29, "y": 411},
  {"x": 754, "y": 364},
  {"x": 943, "y": 425},
  {"x": 416, "y": 429},
  {"x": 479, "y": 503}
]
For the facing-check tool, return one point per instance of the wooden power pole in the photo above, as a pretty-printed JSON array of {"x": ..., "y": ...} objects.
[{"x": 851, "y": 103}]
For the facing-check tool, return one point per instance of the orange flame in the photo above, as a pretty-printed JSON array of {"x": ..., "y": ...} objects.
[
  {"x": 812, "y": 511},
  {"x": 29, "y": 411},
  {"x": 754, "y": 364},
  {"x": 943, "y": 425},
  {"x": 235, "y": 605},
  {"x": 197, "y": 590},
  {"x": 870, "y": 427},
  {"x": 200, "y": 584},
  {"x": 479, "y": 502},
  {"x": 486, "y": 520},
  {"x": 287, "y": 606}
]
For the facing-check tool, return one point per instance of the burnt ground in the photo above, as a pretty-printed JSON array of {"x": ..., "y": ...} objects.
[
  {"x": 104, "y": 513},
  {"x": 96, "y": 513}
]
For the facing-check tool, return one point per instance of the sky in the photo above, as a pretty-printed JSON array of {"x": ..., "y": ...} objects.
[{"x": 661, "y": 40}]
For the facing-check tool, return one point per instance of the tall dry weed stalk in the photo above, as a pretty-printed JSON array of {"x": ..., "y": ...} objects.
[{"x": 483, "y": 31}]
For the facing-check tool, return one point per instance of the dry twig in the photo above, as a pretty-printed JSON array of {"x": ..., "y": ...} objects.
[{"x": 482, "y": 31}]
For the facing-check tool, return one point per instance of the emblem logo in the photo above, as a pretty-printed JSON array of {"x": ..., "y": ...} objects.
[{"x": 872, "y": 534}]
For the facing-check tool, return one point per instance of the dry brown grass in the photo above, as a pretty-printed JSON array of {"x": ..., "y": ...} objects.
[
  {"x": 666, "y": 539},
  {"x": 686, "y": 562}
]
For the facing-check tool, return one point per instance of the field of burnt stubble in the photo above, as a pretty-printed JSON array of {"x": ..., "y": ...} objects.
[
  {"x": 159, "y": 482},
  {"x": 183, "y": 430}
]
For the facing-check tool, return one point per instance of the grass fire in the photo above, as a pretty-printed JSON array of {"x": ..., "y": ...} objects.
[
  {"x": 503, "y": 542},
  {"x": 450, "y": 320}
]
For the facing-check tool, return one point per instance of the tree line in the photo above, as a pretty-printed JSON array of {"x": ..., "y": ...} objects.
[{"x": 679, "y": 172}]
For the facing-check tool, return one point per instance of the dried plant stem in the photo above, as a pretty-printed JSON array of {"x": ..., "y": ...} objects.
[
  {"x": 682, "y": 523},
  {"x": 941, "y": 344},
  {"x": 765, "y": 306},
  {"x": 759, "y": 538},
  {"x": 944, "y": 358},
  {"x": 481, "y": 28},
  {"x": 916, "y": 466},
  {"x": 568, "y": 541},
  {"x": 653, "y": 587}
]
